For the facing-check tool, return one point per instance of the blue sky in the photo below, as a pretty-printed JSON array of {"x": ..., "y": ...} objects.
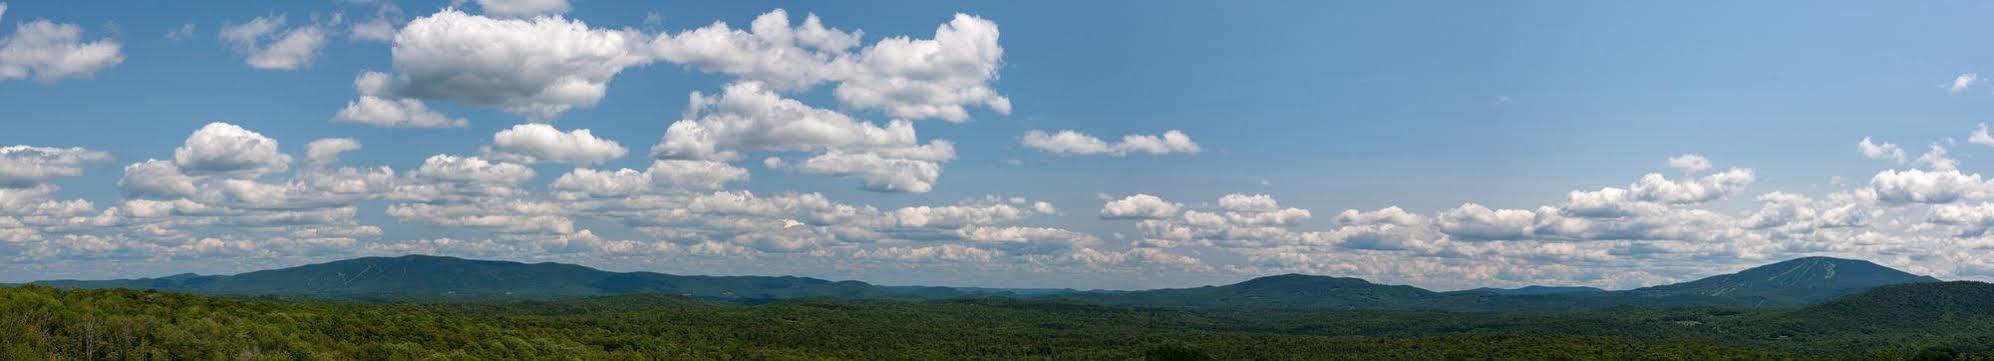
[{"x": 1521, "y": 109}]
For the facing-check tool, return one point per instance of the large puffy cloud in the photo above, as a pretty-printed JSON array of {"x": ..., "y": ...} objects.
[
  {"x": 903, "y": 77},
  {"x": 907, "y": 171},
  {"x": 378, "y": 107},
  {"x": 537, "y": 68},
  {"x": 49, "y": 51},
  {"x": 747, "y": 117},
  {"x": 22, "y": 166},
  {"x": 770, "y": 51},
  {"x": 1477, "y": 222},
  {"x": 1654, "y": 193},
  {"x": 932, "y": 78},
  {"x": 223, "y": 148},
  {"x": 1071, "y": 142},
  {"x": 270, "y": 47},
  {"x": 1656, "y": 188},
  {"x": 1918, "y": 186},
  {"x": 542, "y": 143}
]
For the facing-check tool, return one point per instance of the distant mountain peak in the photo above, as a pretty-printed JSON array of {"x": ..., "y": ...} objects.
[{"x": 1794, "y": 281}]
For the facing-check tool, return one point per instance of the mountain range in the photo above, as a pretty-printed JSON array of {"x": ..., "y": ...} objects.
[
  {"x": 431, "y": 277},
  {"x": 1795, "y": 282}
]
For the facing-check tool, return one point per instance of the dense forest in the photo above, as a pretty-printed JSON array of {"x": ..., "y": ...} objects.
[{"x": 1951, "y": 320}]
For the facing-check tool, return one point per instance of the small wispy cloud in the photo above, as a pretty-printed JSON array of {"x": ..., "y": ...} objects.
[{"x": 1962, "y": 82}]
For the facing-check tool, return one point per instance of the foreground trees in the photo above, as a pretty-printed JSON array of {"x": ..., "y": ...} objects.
[{"x": 44, "y": 323}]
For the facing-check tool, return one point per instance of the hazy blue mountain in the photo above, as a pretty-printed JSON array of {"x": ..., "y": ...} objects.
[
  {"x": 1790, "y": 283},
  {"x": 1794, "y": 282},
  {"x": 431, "y": 277},
  {"x": 1282, "y": 291}
]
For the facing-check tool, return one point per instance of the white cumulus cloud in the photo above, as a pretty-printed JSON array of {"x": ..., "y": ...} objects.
[
  {"x": 535, "y": 142},
  {"x": 537, "y": 68},
  {"x": 48, "y": 51},
  {"x": 1072, "y": 142},
  {"x": 270, "y": 47},
  {"x": 1140, "y": 206},
  {"x": 326, "y": 151},
  {"x": 22, "y": 166},
  {"x": 223, "y": 148}
]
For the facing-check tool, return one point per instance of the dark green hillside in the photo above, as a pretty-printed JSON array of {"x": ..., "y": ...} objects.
[
  {"x": 1910, "y": 306},
  {"x": 1954, "y": 315}
]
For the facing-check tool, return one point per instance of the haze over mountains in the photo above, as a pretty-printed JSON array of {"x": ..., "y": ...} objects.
[{"x": 1789, "y": 283}]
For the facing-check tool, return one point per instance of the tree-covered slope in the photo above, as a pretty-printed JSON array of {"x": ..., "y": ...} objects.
[{"x": 47, "y": 323}]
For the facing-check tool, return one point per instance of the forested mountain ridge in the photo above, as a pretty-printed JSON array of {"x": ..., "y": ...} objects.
[
  {"x": 1794, "y": 282},
  {"x": 1785, "y": 284},
  {"x": 424, "y": 277}
]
